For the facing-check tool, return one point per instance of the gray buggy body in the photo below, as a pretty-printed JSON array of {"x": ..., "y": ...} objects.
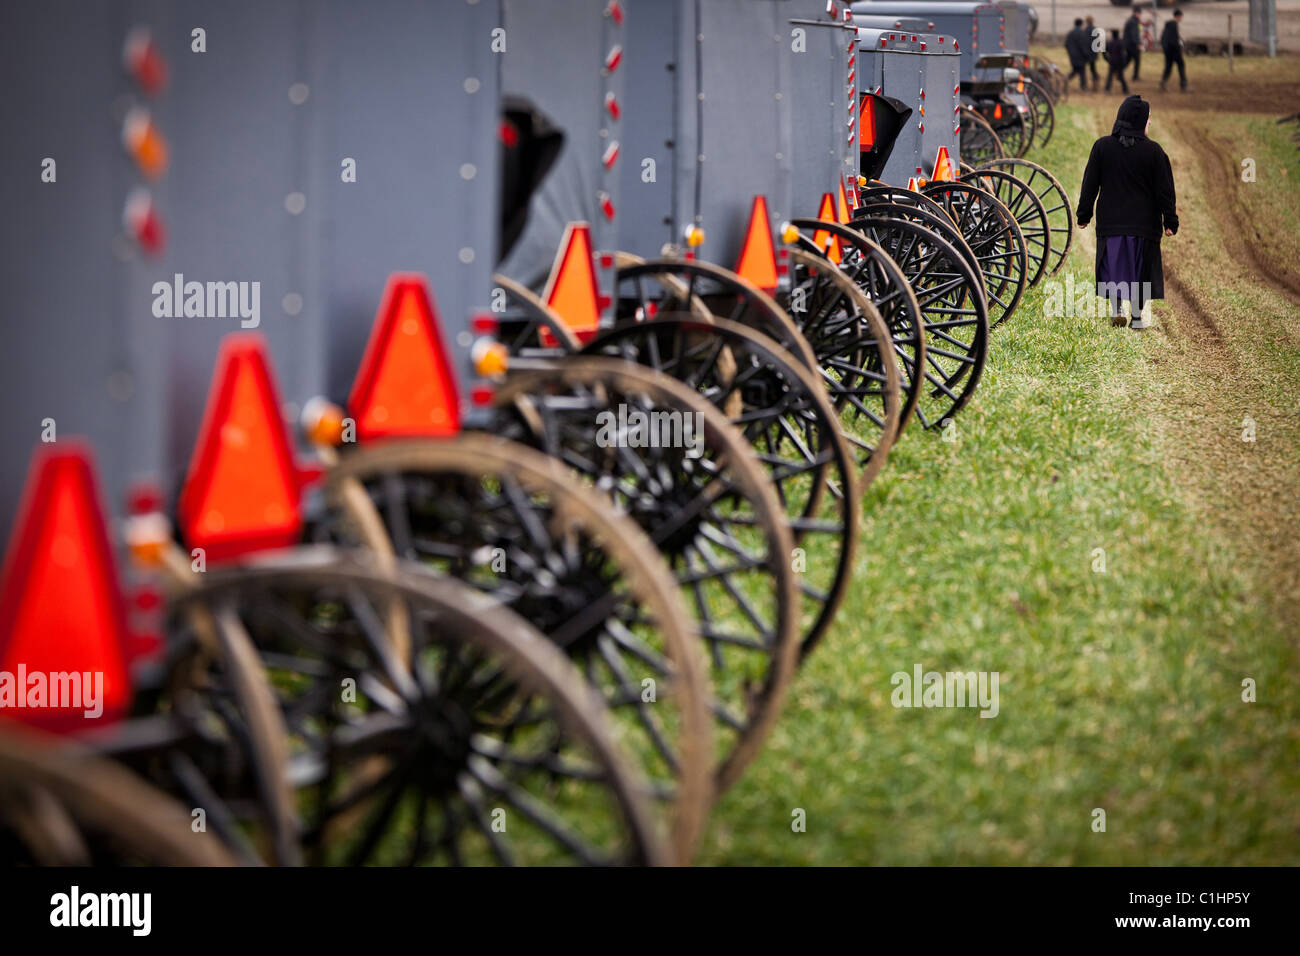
[
  {"x": 978, "y": 29},
  {"x": 921, "y": 70},
  {"x": 260, "y": 130}
]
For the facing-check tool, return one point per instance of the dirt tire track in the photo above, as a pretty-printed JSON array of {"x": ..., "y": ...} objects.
[
  {"x": 1217, "y": 177},
  {"x": 1206, "y": 382},
  {"x": 1192, "y": 319}
]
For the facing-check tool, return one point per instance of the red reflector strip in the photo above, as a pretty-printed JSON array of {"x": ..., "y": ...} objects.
[
  {"x": 241, "y": 492},
  {"x": 143, "y": 497},
  {"x": 611, "y": 155},
  {"x": 406, "y": 386},
  {"x": 61, "y": 610},
  {"x": 144, "y": 62},
  {"x": 142, "y": 223},
  {"x": 611, "y": 105},
  {"x": 613, "y": 58}
]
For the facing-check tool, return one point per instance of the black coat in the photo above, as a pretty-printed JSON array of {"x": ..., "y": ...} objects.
[
  {"x": 1133, "y": 33},
  {"x": 1170, "y": 41},
  {"x": 1116, "y": 55},
  {"x": 1077, "y": 46},
  {"x": 1136, "y": 187}
]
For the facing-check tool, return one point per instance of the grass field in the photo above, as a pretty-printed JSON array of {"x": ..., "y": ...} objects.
[{"x": 1120, "y": 690}]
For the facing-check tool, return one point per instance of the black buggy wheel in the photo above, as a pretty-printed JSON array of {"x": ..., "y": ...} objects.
[
  {"x": 1040, "y": 103},
  {"x": 948, "y": 292},
  {"x": 1028, "y": 211},
  {"x": 708, "y": 508},
  {"x": 922, "y": 213},
  {"x": 878, "y": 276},
  {"x": 897, "y": 195},
  {"x": 526, "y": 326},
  {"x": 854, "y": 348},
  {"x": 1015, "y": 129},
  {"x": 518, "y": 526},
  {"x": 1048, "y": 189},
  {"x": 979, "y": 141},
  {"x": 994, "y": 236},
  {"x": 206, "y": 732},
  {"x": 486, "y": 747},
  {"x": 786, "y": 415},
  {"x": 63, "y": 805},
  {"x": 659, "y": 286}
]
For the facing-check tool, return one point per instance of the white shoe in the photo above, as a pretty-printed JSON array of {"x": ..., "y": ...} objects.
[{"x": 1139, "y": 324}]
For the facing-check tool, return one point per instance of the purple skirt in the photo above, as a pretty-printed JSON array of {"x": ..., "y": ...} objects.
[{"x": 1120, "y": 262}]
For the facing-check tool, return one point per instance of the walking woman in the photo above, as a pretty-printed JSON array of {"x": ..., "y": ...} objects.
[{"x": 1130, "y": 180}]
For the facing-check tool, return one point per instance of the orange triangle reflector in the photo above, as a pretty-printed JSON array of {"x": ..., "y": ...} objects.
[
  {"x": 944, "y": 171},
  {"x": 571, "y": 289},
  {"x": 842, "y": 213},
  {"x": 62, "y": 620},
  {"x": 866, "y": 124},
  {"x": 824, "y": 238},
  {"x": 241, "y": 492},
  {"x": 758, "y": 255},
  {"x": 406, "y": 387}
]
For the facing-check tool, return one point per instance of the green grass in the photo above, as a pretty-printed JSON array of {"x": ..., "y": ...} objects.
[{"x": 1119, "y": 690}]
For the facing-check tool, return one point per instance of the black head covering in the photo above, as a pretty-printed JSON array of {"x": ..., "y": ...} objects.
[{"x": 1131, "y": 120}]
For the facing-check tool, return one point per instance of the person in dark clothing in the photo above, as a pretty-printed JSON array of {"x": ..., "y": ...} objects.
[
  {"x": 1130, "y": 180},
  {"x": 1171, "y": 42},
  {"x": 1076, "y": 48},
  {"x": 1133, "y": 41},
  {"x": 1096, "y": 45},
  {"x": 1116, "y": 60}
]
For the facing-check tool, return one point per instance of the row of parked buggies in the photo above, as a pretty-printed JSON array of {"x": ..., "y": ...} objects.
[{"x": 535, "y": 590}]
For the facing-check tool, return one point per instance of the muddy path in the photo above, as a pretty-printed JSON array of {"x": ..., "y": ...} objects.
[
  {"x": 1229, "y": 436},
  {"x": 1245, "y": 239}
]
